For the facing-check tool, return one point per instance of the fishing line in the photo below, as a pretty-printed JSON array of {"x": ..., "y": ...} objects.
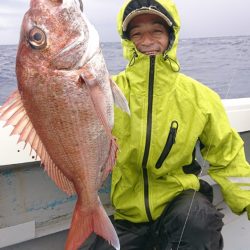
[{"x": 243, "y": 43}]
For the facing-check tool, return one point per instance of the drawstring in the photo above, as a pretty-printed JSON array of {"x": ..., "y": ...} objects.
[
  {"x": 132, "y": 61},
  {"x": 166, "y": 57}
]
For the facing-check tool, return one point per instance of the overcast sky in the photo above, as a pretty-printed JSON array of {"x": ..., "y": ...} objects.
[{"x": 200, "y": 18}]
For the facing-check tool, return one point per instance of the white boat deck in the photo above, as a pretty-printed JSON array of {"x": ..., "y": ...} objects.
[{"x": 34, "y": 214}]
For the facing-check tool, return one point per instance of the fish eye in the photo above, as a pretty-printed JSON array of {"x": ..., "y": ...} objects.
[{"x": 37, "y": 38}]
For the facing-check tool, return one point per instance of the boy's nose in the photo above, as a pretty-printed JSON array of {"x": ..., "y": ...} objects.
[{"x": 147, "y": 39}]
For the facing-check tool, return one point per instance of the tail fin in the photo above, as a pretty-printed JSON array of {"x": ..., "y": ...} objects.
[{"x": 83, "y": 224}]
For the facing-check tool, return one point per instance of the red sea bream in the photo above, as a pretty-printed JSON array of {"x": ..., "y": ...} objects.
[{"x": 64, "y": 109}]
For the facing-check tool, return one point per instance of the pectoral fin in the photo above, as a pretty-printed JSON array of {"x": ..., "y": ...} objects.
[
  {"x": 14, "y": 113},
  {"x": 119, "y": 99},
  {"x": 98, "y": 99}
]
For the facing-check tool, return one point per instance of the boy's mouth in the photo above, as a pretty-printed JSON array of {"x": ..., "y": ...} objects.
[{"x": 151, "y": 52}]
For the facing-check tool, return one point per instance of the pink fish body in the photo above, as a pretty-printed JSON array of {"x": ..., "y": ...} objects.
[{"x": 64, "y": 108}]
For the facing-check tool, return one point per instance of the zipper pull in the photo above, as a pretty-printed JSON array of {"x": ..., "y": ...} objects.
[
  {"x": 169, "y": 144},
  {"x": 173, "y": 130}
]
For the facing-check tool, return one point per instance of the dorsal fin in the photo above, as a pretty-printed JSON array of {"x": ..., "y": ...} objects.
[{"x": 13, "y": 113}]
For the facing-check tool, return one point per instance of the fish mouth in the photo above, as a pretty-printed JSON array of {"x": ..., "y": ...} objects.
[{"x": 81, "y": 5}]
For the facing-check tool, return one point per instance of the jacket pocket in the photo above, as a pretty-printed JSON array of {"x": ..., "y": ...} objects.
[{"x": 169, "y": 144}]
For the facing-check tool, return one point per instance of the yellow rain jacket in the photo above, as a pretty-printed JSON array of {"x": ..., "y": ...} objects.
[{"x": 169, "y": 113}]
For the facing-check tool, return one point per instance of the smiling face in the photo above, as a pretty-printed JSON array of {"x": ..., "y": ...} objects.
[{"x": 149, "y": 34}]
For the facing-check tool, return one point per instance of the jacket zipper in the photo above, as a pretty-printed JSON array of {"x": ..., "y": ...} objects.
[
  {"x": 148, "y": 136},
  {"x": 169, "y": 144}
]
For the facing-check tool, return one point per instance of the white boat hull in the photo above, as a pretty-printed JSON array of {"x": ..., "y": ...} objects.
[{"x": 35, "y": 212}]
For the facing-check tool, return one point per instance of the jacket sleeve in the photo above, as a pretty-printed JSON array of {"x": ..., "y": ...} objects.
[{"x": 224, "y": 150}]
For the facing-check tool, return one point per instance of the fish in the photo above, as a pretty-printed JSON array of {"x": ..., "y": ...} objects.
[{"x": 64, "y": 108}]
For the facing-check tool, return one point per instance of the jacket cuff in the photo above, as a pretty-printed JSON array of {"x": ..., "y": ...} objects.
[{"x": 188, "y": 181}]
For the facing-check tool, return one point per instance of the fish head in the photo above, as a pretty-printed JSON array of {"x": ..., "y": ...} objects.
[{"x": 55, "y": 35}]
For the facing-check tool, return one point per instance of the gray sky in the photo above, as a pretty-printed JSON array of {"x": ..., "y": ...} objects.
[{"x": 200, "y": 18}]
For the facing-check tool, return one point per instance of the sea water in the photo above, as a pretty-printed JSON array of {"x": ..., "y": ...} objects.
[{"x": 221, "y": 63}]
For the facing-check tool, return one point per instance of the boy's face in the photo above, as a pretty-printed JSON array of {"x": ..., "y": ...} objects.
[{"x": 148, "y": 33}]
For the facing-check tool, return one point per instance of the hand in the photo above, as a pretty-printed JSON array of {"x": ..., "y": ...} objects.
[
  {"x": 207, "y": 190},
  {"x": 248, "y": 211}
]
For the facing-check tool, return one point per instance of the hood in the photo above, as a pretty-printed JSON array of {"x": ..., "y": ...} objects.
[{"x": 168, "y": 6}]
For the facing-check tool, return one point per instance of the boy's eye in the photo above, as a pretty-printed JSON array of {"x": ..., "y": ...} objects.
[
  {"x": 135, "y": 34},
  {"x": 158, "y": 31}
]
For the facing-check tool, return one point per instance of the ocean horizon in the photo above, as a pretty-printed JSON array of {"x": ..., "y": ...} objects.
[{"x": 221, "y": 63}]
